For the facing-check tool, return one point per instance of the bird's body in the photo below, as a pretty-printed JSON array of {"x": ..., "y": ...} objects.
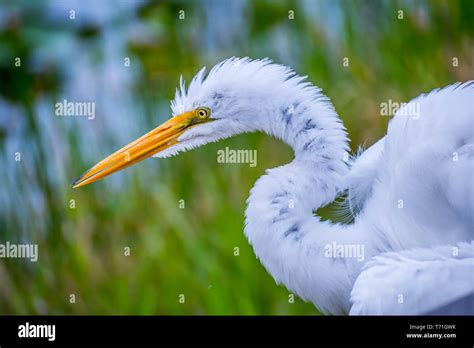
[{"x": 411, "y": 193}]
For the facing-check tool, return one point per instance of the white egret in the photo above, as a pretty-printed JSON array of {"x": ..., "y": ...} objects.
[{"x": 410, "y": 248}]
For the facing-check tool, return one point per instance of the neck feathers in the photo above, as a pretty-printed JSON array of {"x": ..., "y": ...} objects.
[
  {"x": 286, "y": 236},
  {"x": 306, "y": 120}
]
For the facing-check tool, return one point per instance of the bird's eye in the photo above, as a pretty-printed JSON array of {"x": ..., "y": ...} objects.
[{"x": 203, "y": 112}]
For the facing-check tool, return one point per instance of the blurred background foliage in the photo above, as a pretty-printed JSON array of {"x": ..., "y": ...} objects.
[{"x": 177, "y": 251}]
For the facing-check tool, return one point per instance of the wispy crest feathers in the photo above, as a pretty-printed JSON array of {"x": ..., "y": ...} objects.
[{"x": 232, "y": 69}]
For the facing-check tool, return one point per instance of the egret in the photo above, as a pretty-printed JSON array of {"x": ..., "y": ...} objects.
[{"x": 411, "y": 194}]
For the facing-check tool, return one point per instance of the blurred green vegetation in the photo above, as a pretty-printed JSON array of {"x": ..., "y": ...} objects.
[{"x": 177, "y": 251}]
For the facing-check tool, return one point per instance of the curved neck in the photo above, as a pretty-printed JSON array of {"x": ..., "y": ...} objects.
[{"x": 293, "y": 244}]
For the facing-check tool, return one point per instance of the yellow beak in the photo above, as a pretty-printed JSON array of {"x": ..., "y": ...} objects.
[{"x": 157, "y": 140}]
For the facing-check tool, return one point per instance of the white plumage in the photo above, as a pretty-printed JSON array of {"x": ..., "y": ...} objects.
[
  {"x": 418, "y": 280},
  {"x": 410, "y": 247},
  {"x": 412, "y": 190}
]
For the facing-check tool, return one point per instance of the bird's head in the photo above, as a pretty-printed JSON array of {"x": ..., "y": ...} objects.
[{"x": 223, "y": 104}]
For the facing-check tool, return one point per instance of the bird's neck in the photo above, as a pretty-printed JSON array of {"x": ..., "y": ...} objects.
[{"x": 295, "y": 246}]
